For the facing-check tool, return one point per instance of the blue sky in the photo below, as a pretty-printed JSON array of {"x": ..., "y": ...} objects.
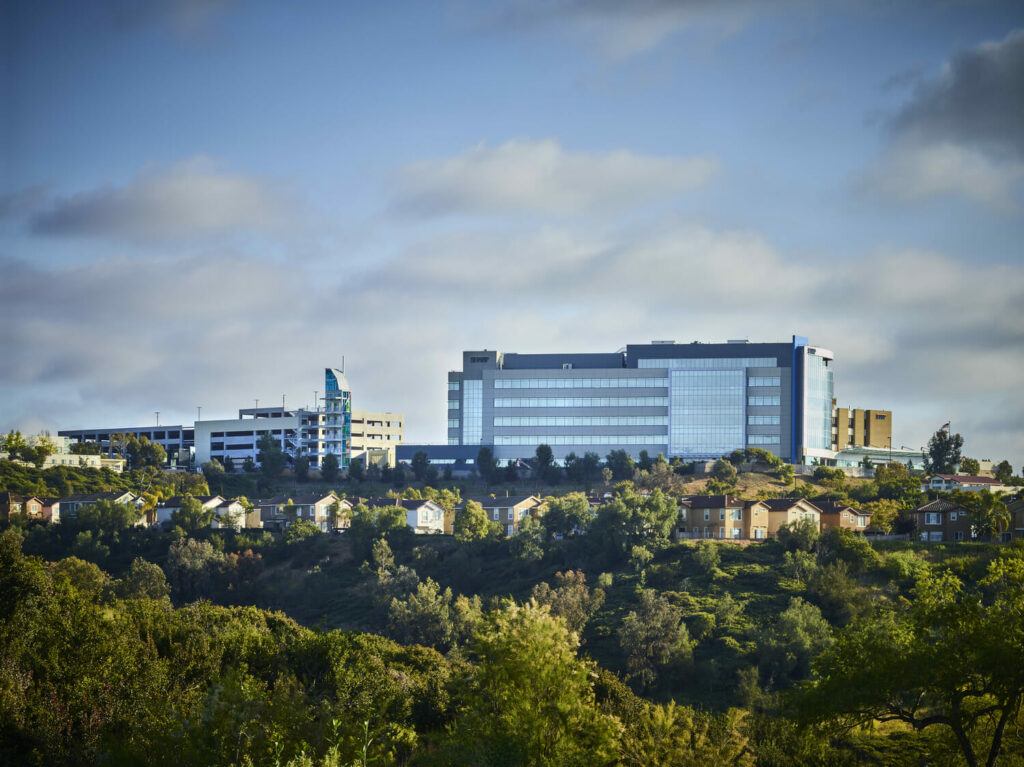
[{"x": 205, "y": 202}]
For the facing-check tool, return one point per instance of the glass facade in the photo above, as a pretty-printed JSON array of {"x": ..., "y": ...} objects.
[
  {"x": 817, "y": 402},
  {"x": 762, "y": 420},
  {"x": 580, "y": 439},
  {"x": 772, "y": 401},
  {"x": 453, "y": 386},
  {"x": 764, "y": 381},
  {"x": 763, "y": 439},
  {"x": 580, "y": 383},
  {"x": 453, "y": 404},
  {"x": 579, "y": 401},
  {"x": 710, "y": 363},
  {"x": 473, "y": 412},
  {"x": 707, "y": 412},
  {"x": 582, "y": 420}
]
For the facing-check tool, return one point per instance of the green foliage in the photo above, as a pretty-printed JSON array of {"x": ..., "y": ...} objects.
[
  {"x": 271, "y": 457},
  {"x": 799, "y": 535},
  {"x": 487, "y": 466},
  {"x": 943, "y": 453},
  {"x": 532, "y": 702},
  {"x": 843, "y": 545},
  {"x": 570, "y": 599},
  {"x": 654, "y": 640},
  {"x": 567, "y": 515},
  {"x": 969, "y": 466},
  {"x": 420, "y": 464},
  {"x": 796, "y": 638},
  {"x": 107, "y": 516},
  {"x": 884, "y": 513},
  {"x": 1003, "y": 472},
  {"x": 799, "y": 565},
  {"x": 989, "y": 513},
  {"x": 433, "y": 617},
  {"x": 192, "y": 568},
  {"x": 905, "y": 565},
  {"x": 620, "y": 463},
  {"x": 144, "y": 580},
  {"x": 724, "y": 473},
  {"x": 948, "y": 659},
  {"x": 301, "y": 468},
  {"x": 330, "y": 468},
  {"x": 191, "y": 516},
  {"x": 707, "y": 556},
  {"x": 580, "y": 470},
  {"x": 785, "y": 473},
  {"x": 544, "y": 465},
  {"x": 299, "y": 530},
  {"x": 471, "y": 524},
  {"x": 679, "y": 736},
  {"x": 528, "y": 543}
]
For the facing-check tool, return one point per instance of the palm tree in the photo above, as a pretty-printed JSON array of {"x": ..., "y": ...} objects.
[{"x": 991, "y": 517}]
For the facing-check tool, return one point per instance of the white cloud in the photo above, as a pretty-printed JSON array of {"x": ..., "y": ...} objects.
[
  {"x": 191, "y": 198},
  {"x": 542, "y": 177},
  {"x": 910, "y": 172}
]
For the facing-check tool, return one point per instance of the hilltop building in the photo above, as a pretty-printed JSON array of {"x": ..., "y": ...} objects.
[{"x": 696, "y": 400}]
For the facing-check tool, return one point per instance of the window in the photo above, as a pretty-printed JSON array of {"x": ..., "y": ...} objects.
[
  {"x": 935, "y": 536},
  {"x": 736, "y": 515},
  {"x": 707, "y": 514},
  {"x": 580, "y": 383},
  {"x": 764, "y": 381},
  {"x": 479, "y": 359},
  {"x": 579, "y": 439},
  {"x": 707, "y": 532},
  {"x": 759, "y": 533},
  {"x": 511, "y": 530},
  {"x": 472, "y": 418},
  {"x": 762, "y": 420},
  {"x": 453, "y": 404},
  {"x": 721, "y": 532},
  {"x": 736, "y": 532},
  {"x": 952, "y": 516},
  {"x": 932, "y": 518},
  {"x": 580, "y": 401},
  {"x": 495, "y": 515},
  {"x": 706, "y": 363},
  {"x": 721, "y": 513},
  {"x": 862, "y": 521},
  {"x": 763, "y": 439},
  {"x": 761, "y": 401},
  {"x": 958, "y": 535},
  {"x": 453, "y": 423},
  {"x": 582, "y": 420},
  {"x": 453, "y": 386}
]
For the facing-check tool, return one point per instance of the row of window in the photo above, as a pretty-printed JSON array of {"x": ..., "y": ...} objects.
[
  {"x": 705, "y": 363},
  {"x": 581, "y": 402},
  {"x": 453, "y": 423},
  {"x": 580, "y": 383},
  {"x": 582, "y": 420},
  {"x": 735, "y": 532},
  {"x": 453, "y": 404},
  {"x": 764, "y": 381},
  {"x": 762, "y": 420},
  {"x": 587, "y": 439},
  {"x": 762, "y": 439},
  {"x": 763, "y": 401},
  {"x": 453, "y": 386}
]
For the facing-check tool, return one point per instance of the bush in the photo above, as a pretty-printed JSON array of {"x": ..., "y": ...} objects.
[
  {"x": 840, "y": 545},
  {"x": 800, "y": 535},
  {"x": 707, "y": 556},
  {"x": 905, "y": 565}
]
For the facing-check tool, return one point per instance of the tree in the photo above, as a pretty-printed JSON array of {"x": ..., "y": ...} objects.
[
  {"x": 797, "y": 637},
  {"x": 13, "y": 442},
  {"x": 356, "y": 469},
  {"x": 621, "y": 464},
  {"x": 249, "y": 465},
  {"x": 213, "y": 471},
  {"x": 654, "y": 639},
  {"x": 969, "y": 466},
  {"x": 471, "y": 524},
  {"x": 191, "y": 515},
  {"x": 679, "y": 736},
  {"x": 532, "y": 702},
  {"x": 800, "y": 534},
  {"x": 1003, "y": 472},
  {"x": 107, "y": 516},
  {"x": 948, "y": 659},
  {"x": 567, "y": 515},
  {"x": 420, "y": 464},
  {"x": 884, "y": 513},
  {"x": 271, "y": 457},
  {"x": 989, "y": 514},
  {"x": 724, "y": 472},
  {"x": 301, "y": 468},
  {"x": 192, "y": 567},
  {"x": 229, "y": 465},
  {"x": 707, "y": 556},
  {"x": 299, "y": 530},
  {"x": 528, "y": 543},
  {"x": 544, "y": 465},
  {"x": 486, "y": 465},
  {"x": 144, "y": 580},
  {"x": 943, "y": 453},
  {"x": 895, "y": 484},
  {"x": 570, "y": 599},
  {"x": 785, "y": 474}
]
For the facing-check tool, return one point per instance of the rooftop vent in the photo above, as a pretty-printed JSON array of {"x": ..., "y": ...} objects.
[
  {"x": 662, "y": 342},
  {"x": 739, "y": 341}
]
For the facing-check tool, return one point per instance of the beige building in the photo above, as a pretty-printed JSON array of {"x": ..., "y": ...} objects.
[
  {"x": 375, "y": 436},
  {"x": 722, "y": 516},
  {"x": 510, "y": 511},
  {"x": 853, "y": 427},
  {"x": 782, "y": 511}
]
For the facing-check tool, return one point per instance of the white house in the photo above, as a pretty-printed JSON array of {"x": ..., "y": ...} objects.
[
  {"x": 967, "y": 482},
  {"x": 171, "y": 505}
]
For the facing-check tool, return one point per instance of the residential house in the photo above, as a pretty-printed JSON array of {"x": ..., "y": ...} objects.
[
  {"x": 722, "y": 516},
  {"x": 1016, "y": 509},
  {"x": 842, "y": 515},
  {"x": 51, "y": 510},
  {"x": 942, "y": 520},
  {"x": 167, "y": 508},
  {"x": 230, "y": 513},
  {"x": 509, "y": 511},
  {"x": 783, "y": 511},
  {"x": 71, "y": 504},
  {"x": 279, "y": 512},
  {"x": 967, "y": 482},
  {"x": 13, "y": 504},
  {"x": 423, "y": 517}
]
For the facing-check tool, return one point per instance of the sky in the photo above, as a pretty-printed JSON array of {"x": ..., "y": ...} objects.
[{"x": 207, "y": 202}]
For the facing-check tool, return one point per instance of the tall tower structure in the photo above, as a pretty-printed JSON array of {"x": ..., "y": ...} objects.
[{"x": 337, "y": 416}]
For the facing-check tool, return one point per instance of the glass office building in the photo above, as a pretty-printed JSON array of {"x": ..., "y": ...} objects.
[{"x": 696, "y": 401}]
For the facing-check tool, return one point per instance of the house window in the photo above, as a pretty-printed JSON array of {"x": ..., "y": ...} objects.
[
  {"x": 735, "y": 532},
  {"x": 952, "y": 516},
  {"x": 707, "y": 532},
  {"x": 737, "y": 514},
  {"x": 759, "y": 533},
  {"x": 958, "y": 535},
  {"x": 495, "y": 515},
  {"x": 935, "y": 535},
  {"x": 721, "y": 532},
  {"x": 511, "y": 530},
  {"x": 707, "y": 514},
  {"x": 721, "y": 513},
  {"x": 932, "y": 518}
]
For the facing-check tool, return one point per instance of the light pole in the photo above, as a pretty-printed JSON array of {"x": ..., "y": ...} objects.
[{"x": 157, "y": 417}]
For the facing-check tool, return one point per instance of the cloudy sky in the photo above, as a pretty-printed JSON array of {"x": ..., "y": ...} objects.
[{"x": 205, "y": 202}]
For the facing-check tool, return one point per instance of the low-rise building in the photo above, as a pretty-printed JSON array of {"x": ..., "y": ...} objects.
[
  {"x": 509, "y": 511},
  {"x": 422, "y": 516},
  {"x": 722, "y": 516},
  {"x": 280, "y": 511},
  {"x": 966, "y": 482},
  {"x": 167, "y": 508},
  {"x": 941, "y": 520},
  {"x": 783, "y": 511},
  {"x": 842, "y": 515},
  {"x": 70, "y": 505},
  {"x": 376, "y": 435},
  {"x": 1016, "y": 509},
  {"x": 12, "y": 504}
]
